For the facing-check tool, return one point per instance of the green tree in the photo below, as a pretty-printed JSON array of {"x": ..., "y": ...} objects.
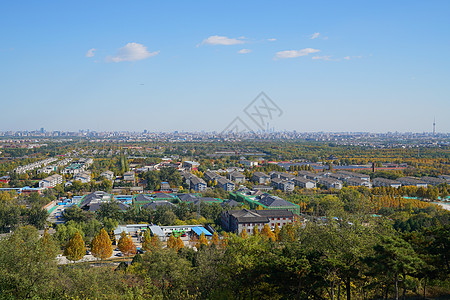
[
  {"x": 28, "y": 265},
  {"x": 394, "y": 257},
  {"x": 37, "y": 217},
  {"x": 147, "y": 241}
]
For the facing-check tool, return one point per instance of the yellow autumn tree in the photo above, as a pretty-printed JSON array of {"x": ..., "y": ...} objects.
[
  {"x": 224, "y": 241},
  {"x": 244, "y": 234},
  {"x": 75, "y": 249},
  {"x": 172, "y": 242},
  {"x": 101, "y": 245},
  {"x": 215, "y": 240},
  {"x": 202, "y": 240},
  {"x": 255, "y": 230},
  {"x": 179, "y": 243},
  {"x": 267, "y": 232},
  {"x": 277, "y": 232},
  {"x": 126, "y": 245},
  {"x": 156, "y": 243}
]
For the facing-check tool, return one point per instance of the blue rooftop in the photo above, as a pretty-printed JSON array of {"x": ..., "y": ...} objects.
[{"x": 199, "y": 230}]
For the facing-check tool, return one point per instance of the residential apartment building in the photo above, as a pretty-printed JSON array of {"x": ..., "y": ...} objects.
[
  {"x": 355, "y": 181},
  {"x": 109, "y": 175},
  {"x": 238, "y": 220},
  {"x": 261, "y": 178},
  {"x": 412, "y": 181},
  {"x": 383, "y": 182},
  {"x": 304, "y": 183},
  {"x": 433, "y": 180},
  {"x": 225, "y": 184},
  {"x": 190, "y": 165},
  {"x": 330, "y": 183},
  {"x": 51, "y": 181},
  {"x": 84, "y": 177},
  {"x": 236, "y": 177}
]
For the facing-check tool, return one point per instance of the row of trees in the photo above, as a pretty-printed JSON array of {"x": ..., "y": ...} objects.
[{"x": 101, "y": 246}]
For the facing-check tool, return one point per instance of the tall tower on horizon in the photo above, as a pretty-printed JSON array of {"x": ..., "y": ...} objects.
[{"x": 434, "y": 126}]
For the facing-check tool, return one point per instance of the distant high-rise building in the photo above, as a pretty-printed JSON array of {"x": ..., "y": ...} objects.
[
  {"x": 434, "y": 126},
  {"x": 42, "y": 130}
]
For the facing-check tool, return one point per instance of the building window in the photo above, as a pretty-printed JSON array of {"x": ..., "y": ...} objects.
[
  {"x": 248, "y": 230},
  {"x": 278, "y": 224}
]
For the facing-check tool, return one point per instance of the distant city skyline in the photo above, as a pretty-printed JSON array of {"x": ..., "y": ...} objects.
[{"x": 330, "y": 66}]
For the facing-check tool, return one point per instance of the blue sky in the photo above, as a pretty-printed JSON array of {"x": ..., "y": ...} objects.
[{"x": 195, "y": 65}]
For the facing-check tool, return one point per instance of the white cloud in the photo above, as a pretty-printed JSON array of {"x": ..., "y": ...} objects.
[
  {"x": 271, "y": 40},
  {"x": 222, "y": 40},
  {"x": 244, "y": 51},
  {"x": 131, "y": 52},
  {"x": 325, "y": 57},
  {"x": 315, "y": 35},
  {"x": 352, "y": 57},
  {"x": 295, "y": 53},
  {"x": 90, "y": 52}
]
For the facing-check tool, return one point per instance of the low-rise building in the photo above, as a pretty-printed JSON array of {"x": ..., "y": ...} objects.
[
  {"x": 384, "y": 182},
  {"x": 330, "y": 183},
  {"x": 354, "y": 174},
  {"x": 211, "y": 176},
  {"x": 109, "y": 175},
  {"x": 304, "y": 183},
  {"x": 412, "y": 181},
  {"x": 238, "y": 220},
  {"x": 129, "y": 176},
  {"x": 433, "y": 180},
  {"x": 248, "y": 163},
  {"x": 92, "y": 202},
  {"x": 261, "y": 178},
  {"x": 445, "y": 177},
  {"x": 354, "y": 181},
  {"x": 51, "y": 181},
  {"x": 47, "y": 169},
  {"x": 284, "y": 185},
  {"x": 268, "y": 201},
  {"x": 165, "y": 187},
  {"x": 197, "y": 184},
  {"x": 156, "y": 204},
  {"x": 190, "y": 165},
  {"x": 236, "y": 177},
  {"x": 309, "y": 175},
  {"x": 225, "y": 184},
  {"x": 84, "y": 177}
]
